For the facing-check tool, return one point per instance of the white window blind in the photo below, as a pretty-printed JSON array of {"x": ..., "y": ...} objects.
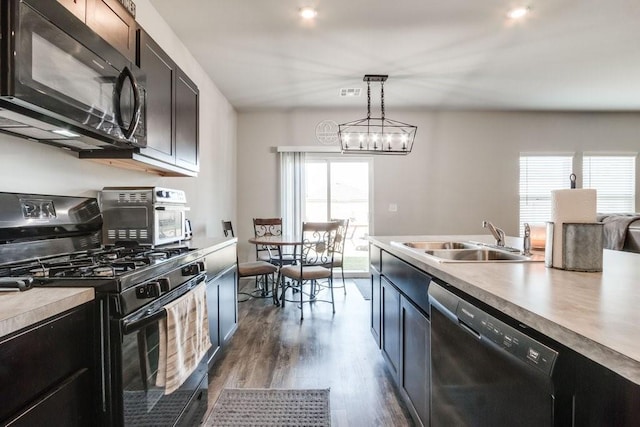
[
  {"x": 538, "y": 176},
  {"x": 614, "y": 178}
]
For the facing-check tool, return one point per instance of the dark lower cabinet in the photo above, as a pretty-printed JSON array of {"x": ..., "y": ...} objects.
[
  {"x": 390, "y": 303},
  {"x": 50, "y": 367},
  {"x": 414, "y": 359},
  {"x": 405, "y": 329},
  {"x": 228, "y": 305},
  {"x": 376, "y": 311},
  {"x": 68, "y": 404},
  {"x": 222, "y": 298},
  {"x": 604, "y": 398},
  {"x": 222, "y": 307},
  {"x": 212, "y": 311}
]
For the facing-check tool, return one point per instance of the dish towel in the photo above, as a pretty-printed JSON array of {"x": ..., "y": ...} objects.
[{"x": 184, "y": 338}]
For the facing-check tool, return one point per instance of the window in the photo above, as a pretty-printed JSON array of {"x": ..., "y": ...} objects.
[
  {"x": 338, "y": 187},
  {"x": 539, "y": 175},
  {"x": 614, "y": 178}
]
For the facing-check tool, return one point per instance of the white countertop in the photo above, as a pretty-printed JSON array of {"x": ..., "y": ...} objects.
[
  {"x": 21, "y": 309},
  {"x": 595, "y": 314}
]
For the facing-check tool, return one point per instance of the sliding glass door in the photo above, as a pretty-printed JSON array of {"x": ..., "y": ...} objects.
[{"x": 339, "y": 188}]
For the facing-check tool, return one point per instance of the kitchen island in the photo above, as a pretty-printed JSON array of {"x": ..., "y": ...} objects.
[{"x": 592, "y": 314}]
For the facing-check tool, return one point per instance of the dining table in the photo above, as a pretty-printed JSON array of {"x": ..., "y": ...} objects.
[{"x": 278, "y": 242}]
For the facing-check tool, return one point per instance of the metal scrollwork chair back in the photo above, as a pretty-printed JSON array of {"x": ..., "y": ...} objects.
[
  {"x": 317, "y": 254},
  {"x": 270, "y": 227},
  {"x": 338, "y": 249}
]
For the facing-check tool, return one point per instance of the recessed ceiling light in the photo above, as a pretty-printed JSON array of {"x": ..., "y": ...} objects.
[
  {"x": 518, "y": 13},
  {"x": 308, "y": 12}
]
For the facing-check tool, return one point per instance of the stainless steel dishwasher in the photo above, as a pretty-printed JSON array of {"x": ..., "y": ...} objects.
[{"x": 485, "y": 372}]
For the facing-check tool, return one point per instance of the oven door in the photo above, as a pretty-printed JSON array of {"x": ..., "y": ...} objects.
[
  {"x": 64, "y": 71},
  {"x": 142, "y": 402}
]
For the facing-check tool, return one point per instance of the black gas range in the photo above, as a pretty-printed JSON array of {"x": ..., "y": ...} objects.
[{"x": 54, "y": 241}]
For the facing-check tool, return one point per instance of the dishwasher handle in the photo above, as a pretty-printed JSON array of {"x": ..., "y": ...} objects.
[{"x": 469, "y": 329}]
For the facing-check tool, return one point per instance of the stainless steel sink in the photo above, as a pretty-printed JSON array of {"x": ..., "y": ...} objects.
[
  {"x": 466, "y": 251},
  {"x": 477, "y": 255},
  {"x": 440, "y": 245}
]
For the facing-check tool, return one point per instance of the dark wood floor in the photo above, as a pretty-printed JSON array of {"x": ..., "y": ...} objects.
[{"x": 273, "y": 349}]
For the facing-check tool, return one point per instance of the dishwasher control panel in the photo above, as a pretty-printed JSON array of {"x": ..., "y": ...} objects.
[{"x": 509, "y": 339}]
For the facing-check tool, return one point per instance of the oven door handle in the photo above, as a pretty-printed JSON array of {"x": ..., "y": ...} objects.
[
  {"x": 138, "y": 324},
  {"x": 159, "y": 313}
]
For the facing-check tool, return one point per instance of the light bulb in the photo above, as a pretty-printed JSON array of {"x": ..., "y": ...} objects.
[
  {"x": 308, "y": 12},
  {"x": 518, "y": 13}
]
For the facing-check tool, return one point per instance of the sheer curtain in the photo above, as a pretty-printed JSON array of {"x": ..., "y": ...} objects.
[{"x": 291, "y": 191}]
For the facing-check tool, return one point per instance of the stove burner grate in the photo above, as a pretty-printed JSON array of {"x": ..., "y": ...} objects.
[{"x": 100, "y": 262}]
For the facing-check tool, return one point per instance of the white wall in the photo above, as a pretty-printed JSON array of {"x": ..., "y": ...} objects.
[
  {"x": 463, "y": 169},
  {"x": 30, "y": 167}
]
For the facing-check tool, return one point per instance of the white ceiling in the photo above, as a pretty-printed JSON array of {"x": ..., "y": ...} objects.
[{"x": 566, "y": 55}]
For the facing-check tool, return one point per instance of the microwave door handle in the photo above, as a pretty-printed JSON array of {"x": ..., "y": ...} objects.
[{"x": 137, "y": 105}]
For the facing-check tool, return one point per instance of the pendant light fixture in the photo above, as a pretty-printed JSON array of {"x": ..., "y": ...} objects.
[{"x": 376, "y": 135}]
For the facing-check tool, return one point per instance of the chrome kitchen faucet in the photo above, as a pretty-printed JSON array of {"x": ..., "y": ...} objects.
[{"x": 498, "y": 233}]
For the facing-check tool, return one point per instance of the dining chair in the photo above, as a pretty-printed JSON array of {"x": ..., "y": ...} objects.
[
  {"x": 316, "y": 263},
  {"x": 227, "y": 228},
  {"x": 338, "y": 250},
  {"x": 258, "y": 269},
  {"x": 271, "y": 227}
]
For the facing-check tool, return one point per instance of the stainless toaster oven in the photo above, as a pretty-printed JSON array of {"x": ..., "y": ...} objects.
[{"x": 145, "y": 215}]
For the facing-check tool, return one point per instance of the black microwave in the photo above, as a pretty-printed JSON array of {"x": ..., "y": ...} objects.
[{"x": 62, "y": 84}]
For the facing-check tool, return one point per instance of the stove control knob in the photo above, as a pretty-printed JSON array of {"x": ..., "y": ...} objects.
[
  {"x": 148, "y": 290},
  {"x": 192, "y": 269},
  {"x": 165, "y": 284}
]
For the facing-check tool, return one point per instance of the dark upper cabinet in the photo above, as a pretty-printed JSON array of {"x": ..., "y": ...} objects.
[
  {"x": 159, "y": 81},
  {"x": 186, "y": 122},
  {"x": 77, "y": 7},
  {"x": 171, "y": 108},
  {"x": 110, "y": 20}
]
